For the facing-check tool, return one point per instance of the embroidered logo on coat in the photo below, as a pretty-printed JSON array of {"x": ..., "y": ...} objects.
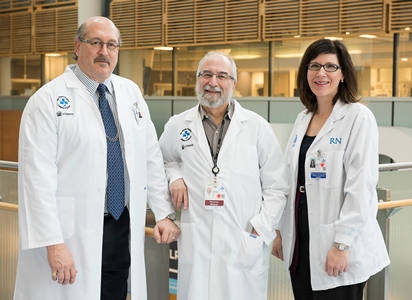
[
  {"x": 186, "y": 134},
  {"x": 63, "y": 102}
]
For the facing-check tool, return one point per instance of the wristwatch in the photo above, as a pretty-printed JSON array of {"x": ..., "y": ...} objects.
[
  {"x": 172, "y": 217},
  {"x": 341, "y": 247}
]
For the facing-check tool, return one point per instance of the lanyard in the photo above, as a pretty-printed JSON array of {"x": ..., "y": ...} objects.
[{"x": 215, "y": 169}]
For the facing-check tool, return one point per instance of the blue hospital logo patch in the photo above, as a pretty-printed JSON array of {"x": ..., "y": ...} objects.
[
  {"x": 186, "y": 134},
  {"x": 63, "y": 102}
]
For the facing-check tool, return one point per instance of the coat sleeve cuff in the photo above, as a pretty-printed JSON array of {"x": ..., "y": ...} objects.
[{"x": 266, "y": 235}]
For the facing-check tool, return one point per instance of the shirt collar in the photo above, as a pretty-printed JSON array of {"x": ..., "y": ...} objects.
[
  {"x": 89, "y": 83},
  {"x": 230, "y": 110}
]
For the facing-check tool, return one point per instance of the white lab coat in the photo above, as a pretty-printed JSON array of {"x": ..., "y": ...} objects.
[
  {"x": 62, "y": 183},
  {"x": 217, "y": 258},
  {"x": 343, "y": 206}
]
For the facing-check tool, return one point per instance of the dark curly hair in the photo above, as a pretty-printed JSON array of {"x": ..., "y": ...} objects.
[{"x": 347, "y": 90}]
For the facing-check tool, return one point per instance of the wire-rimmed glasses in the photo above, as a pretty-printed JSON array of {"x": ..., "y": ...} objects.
[
  {"x": 98, "y": 44},
  {"x": 221, "y": 76}
]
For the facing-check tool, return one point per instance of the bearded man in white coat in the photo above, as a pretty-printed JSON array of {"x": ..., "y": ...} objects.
[
  {"x": 225, "y": 168},
  {"x": 73, "y": 245}
]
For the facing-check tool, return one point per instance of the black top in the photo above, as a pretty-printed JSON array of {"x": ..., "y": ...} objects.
[{"x": 307, "y": 141}]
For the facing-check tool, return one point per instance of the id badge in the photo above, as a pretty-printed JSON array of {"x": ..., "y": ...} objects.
[
  {"x": 214, "y": 196},
  {"x": 318, "y": 169}
]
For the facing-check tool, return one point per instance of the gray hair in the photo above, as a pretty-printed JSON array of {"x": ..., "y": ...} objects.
[{"x": 227, "y": 56}]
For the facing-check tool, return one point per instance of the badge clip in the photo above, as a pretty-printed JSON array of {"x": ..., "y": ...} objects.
[{"x": 137, "y": 113}]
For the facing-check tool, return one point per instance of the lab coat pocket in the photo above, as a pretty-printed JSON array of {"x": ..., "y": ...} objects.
[
  {"x": 66, "y": 208},
  {"x": 138, "y": 115},
  {"x": 244, "y": 160},
  {"x": 250, "y": 251},
  {"x": 334, "y": 169},
  {"x": 186, "y": 243}
]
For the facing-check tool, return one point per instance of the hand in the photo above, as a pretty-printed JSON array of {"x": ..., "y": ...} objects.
[
  {"x": 178, "y": 190},
  {"x": 61, "y": 264},
  {"x": 337, "y": 262},
  {"x": 166, "y": 231},
  {"x": 277, "y": 250}
]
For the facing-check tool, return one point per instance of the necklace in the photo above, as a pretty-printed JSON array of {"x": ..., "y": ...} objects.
[{"x": 113, "y": 139}]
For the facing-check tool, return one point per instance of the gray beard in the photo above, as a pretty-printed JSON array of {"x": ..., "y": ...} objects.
[{"x": 215, "y": 104}]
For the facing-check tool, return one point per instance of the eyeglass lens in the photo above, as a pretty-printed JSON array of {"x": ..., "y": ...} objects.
[
  {"x": 327, "y": 67},
  {"x": 219, "y": 76},
  {"x": 99, "y": 44}
]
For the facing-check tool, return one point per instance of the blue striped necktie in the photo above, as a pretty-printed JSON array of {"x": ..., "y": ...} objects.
[{"x": 115, "y": 171}]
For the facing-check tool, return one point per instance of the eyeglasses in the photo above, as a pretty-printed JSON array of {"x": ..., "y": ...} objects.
[
  {"x": 327, "y": 67},
  {"x": 98, "y": 44},
  {"x": 221, "y": 76}
]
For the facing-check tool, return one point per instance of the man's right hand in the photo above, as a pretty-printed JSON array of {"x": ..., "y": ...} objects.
[
  {"x": 178, "y": 190},
  {"x": 61, "y": 264}
]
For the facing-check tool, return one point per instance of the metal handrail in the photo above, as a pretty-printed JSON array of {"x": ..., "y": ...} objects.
[
  {"x": 149, "y": 231},
  {"x": 395, "y": 166},
  {"x": 14, "y": 207},
  {"x": 9, "y": 164}
]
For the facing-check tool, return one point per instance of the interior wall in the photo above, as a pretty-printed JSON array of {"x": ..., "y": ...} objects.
[{"x": 9, "y": 134}]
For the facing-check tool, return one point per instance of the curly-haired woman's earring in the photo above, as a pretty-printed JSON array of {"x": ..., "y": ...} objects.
[{"x": 341, "y": 80}]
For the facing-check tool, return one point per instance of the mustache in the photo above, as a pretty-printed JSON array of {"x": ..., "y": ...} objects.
[
  {"x": 102, "y": 58},
  {"x": 212, "y": 89}
]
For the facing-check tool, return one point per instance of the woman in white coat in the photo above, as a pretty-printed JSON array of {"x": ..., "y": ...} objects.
[{"x": 331, "y": 242}]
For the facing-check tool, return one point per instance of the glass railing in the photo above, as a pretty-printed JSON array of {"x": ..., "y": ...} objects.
[
  {"x": 8, "y": 228},
  {"x": 393, "y": 283}
]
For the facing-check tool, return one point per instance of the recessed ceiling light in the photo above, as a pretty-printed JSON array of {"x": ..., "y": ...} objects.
[
  {"x": 368, "y": 36},
  {"x": 289, "y": 55},
  {"x": 246, "y": 56},
  {"x": 333, "y": 38},
  {"x": 164, "y": 48}
]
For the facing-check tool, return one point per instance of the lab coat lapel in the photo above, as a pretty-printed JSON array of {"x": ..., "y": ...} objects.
[
  {"x": 235, "y": 127},
  {"x": 121, "y": 103},
  {"x": 338, "y": 112},
  {"x": 300, "y": 133},
  {"x": 73, "y": 84},
  {"x": 194, "y": 122}
]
